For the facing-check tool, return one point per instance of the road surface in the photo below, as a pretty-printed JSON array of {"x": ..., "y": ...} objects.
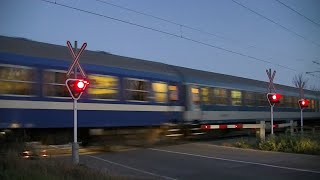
[{"x": 205, "y": 161}]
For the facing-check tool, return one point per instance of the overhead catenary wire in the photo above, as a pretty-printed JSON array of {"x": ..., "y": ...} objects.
[
  {"x": 169, "y": 34},
  {"x": 276, "y": 23},
  {"x": 164, "y": 20},
  {"x": 180, "y": 25},
  {"x": 287, "y": 6}
]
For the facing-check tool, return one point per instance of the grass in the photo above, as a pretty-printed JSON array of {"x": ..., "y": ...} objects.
[
  {"x": 243, "y": 143},
  {"x": 14, "y": 167},
  {"x": 305, "y": 144}
]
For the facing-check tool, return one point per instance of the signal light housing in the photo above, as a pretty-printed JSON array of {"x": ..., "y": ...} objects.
[
  {"x": 76, "y": 87},
  {"x": 274, "y": 98},
  {"x": 303, "y": 103}
]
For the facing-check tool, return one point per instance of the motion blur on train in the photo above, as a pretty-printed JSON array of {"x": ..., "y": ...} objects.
[{"x": 127, "y": 93}]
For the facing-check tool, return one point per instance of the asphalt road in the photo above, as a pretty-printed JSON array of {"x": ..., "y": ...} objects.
[{"x": 205, "y": 161}]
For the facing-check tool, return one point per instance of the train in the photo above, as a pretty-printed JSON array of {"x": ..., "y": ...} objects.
[{"x": 128, "y": 92}]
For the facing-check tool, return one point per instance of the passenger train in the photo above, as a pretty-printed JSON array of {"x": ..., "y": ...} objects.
[{"x": 128, "y": 92}]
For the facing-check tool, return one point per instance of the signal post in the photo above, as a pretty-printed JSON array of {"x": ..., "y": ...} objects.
[
  {"x": 273, "y": 98},
  {"x": 76, "y": 87},
  {"x": 303, "y": 103}
]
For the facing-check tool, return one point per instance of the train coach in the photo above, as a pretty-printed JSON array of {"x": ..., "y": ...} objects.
[
  {"x": 34, "y": 95},
  {"x": 127, "y": 92}
]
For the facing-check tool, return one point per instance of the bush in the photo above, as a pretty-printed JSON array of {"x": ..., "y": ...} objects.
[
  {"x": 297, "y": 144},
  {"x": 268, "y": 145}
]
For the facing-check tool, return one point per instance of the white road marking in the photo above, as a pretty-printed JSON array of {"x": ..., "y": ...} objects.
[
  {"x": 238, "y": 161},
  {"x": 131, "y": 168}
]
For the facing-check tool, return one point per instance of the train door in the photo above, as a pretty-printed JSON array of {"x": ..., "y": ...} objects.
[
  {"x": 173, "y": 103},
  {"x": 193, "y": 112}
]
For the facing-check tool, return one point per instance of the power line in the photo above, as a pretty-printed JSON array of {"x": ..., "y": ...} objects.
[
  {"x": 165, "y": 20},
  {"x": 316, "y": 62},
  {"x": 171, "y": 22},
  {"x": 298, "y": 13},
  {"x": 168, "y": 33},
  {"x": 283, "y": 27}
]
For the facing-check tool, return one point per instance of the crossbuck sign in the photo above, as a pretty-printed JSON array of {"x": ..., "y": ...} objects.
[{"x": 75, "y": 57}]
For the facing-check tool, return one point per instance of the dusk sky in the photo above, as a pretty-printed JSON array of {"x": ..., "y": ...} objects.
[{"x": 244, "y": 37}]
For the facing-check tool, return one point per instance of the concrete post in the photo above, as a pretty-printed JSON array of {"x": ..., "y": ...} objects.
[
  {"x": 75, "y": 153},
  {"x": 262, "y": 130},
  {"x": 291, "y": 127}
]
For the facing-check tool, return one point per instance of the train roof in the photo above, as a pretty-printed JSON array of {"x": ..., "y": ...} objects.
[
  {"x": 27, "y": 47},
  {"x": 22, "y": 46}
]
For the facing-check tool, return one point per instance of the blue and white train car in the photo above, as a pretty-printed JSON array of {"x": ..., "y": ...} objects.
[
  {"x": 127, "y": 92},
  {"x": 122, "y": 92},
  {"x": 221, "y": 99}
]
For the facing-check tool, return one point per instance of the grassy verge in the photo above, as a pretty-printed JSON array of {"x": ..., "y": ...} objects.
[
  {"x": 14, "y": 167},
  {"x": 306, "y": 144}
]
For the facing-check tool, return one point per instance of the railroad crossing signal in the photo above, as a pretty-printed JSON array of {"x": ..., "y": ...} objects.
[
  {"x": 303, "y": 103},
  {"x": 76, "y": 87},
  {"x": 75, "y": 57},
  {"x": 274, "y": 98}
]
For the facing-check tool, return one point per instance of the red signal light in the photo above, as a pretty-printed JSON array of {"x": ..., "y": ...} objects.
[
  {"x": 80, "y": 85},
  {"x": 274, "y": 98},
  {"x": 205, "y": 126},
  {"x": 303, "y": 103},
  {"x": 238, "y": 126},
  {"x": 76, "y": 87}
]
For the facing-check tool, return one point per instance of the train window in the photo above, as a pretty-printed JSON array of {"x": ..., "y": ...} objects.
[
  {"x": 103, "y": 87},
  {"x": 249, "y": 98},
  {"x": 54, "y": 83},
  {"x": 160, "y": 92},
  {"x": 295, "y": 103},
  {"x": 173, "y": 93},
  {"x": 195, "y": 95},
  {"x": 261, "y": 100},
  {"x": 288, "y": 101},
  {"x": 236, "y": 97},
  {"x": 137, "y": 89},
  {"x": 283, "y": 101},
  {"x": 220, "y": 96},
  {"x": 205, "y": 95},
  {"x": 17, "y": 80},
  {"x": 312, "y": 105}
]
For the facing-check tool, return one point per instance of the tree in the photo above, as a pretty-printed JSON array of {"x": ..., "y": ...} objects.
[{"x": 300, "y": 82}]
